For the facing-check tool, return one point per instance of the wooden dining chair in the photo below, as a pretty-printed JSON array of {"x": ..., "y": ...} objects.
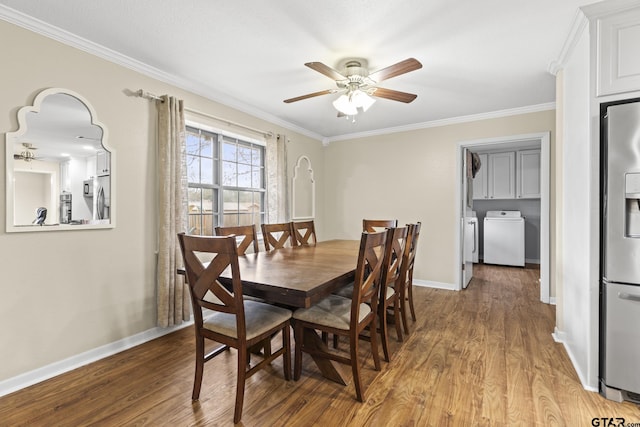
[
  {"x": 346, "y": 317},
  {"x": 409, "y": 287},
  {"x": 248, "y": 234},
  {"x": 236, "y": 323},
  {"x": 389, "y": 293},
  {"x": 277, "y": 235},
  {"x": 304, "y": 232},
  {"x": 405, "y": 282},
  {"x": 373, "y": 225}
]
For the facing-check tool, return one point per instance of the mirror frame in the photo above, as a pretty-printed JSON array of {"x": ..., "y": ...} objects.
[
  {"x": 298, "y": 172},
  {"x": 10, "y": 172}
]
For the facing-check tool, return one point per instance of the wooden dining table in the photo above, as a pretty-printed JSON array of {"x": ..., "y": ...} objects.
[{"x": 298, "y": 277}]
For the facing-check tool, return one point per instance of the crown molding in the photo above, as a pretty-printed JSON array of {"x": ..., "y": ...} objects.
[
  {"x": 578, "y": 26},
  {"x": 602, "y": 8},
  {"x": 445, "y": 122},
  {"x": 585, "y": 15}
]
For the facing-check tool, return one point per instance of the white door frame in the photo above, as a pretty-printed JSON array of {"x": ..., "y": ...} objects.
[{"x": 545, "y": 141}]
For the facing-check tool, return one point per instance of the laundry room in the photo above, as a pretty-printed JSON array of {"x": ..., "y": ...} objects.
[{"x": 506, "y": 203}]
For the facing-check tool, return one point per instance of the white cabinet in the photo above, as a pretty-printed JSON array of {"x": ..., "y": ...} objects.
[
  {"x": 481, "y": 180},
  {"x": 502, "y": 171},
  {"x": 103, "y": 163},
  {"x": 508, "y": 175},
  {"x": 528, "y": 174},
  {"x": 496, "y": 177},
  {"x": 618, "y": 64}
]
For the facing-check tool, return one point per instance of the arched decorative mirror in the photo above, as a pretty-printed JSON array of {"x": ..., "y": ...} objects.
[
  {"x": 303, "y": 194},
  {"x": 59, "y": 169}
]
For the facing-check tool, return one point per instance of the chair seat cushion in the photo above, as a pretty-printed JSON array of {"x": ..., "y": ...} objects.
[
  {"x": 390, "y": 292},
  {"x": 259, "y": 318},
  {"x": 334, "y": 311}
]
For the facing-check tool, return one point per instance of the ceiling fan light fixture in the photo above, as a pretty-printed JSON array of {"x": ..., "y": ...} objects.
[
  {"x": 349, "y": 103},
  {"x": 345, "y": 106},
  {"x": 362, "y": 100}
]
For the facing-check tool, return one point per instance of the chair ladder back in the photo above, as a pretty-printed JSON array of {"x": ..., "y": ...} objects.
[
  {"x": 203, "y": 278},
  {"x": 415, "y": 233},
  {"x": 368, "y": 272},
  {"x": 276, "y": 235},
  {"x": 394, "y": 251},
  {"x": 374, "y": 225},
  {"x": 247, "y": 232},
  {"x": 309, "y": 230}
]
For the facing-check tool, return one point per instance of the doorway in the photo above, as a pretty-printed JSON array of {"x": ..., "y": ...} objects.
[{"x": 464, "y": 210}]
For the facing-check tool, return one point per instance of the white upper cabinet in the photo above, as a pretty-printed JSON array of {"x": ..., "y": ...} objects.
[
  {"x": 528, "y": 174},
  {"x": 481, "y": 180},
  {"x": 508, "y": 175},
  {"x": 502, "y": 175},
  {"x": 618, "y": 63},
  {"x": 103, "y": 163},
  {"x": 496, "y": 178}
]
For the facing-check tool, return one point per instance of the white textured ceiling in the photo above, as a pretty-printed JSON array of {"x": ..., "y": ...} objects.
[{"x": 478, "y": 56}]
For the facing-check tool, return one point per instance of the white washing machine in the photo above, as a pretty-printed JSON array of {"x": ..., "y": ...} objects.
[{"x": 504, "y": 238}]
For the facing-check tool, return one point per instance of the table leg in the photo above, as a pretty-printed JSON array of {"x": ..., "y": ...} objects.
[{"x": 329, "y": 369}]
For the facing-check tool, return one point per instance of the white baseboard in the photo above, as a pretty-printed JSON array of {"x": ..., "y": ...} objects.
[
  {"x": 44, "y": 373},
  {"x": 560, "y": 337},
  {"x": 436, "y": 285},
  {"x": 552, "y": 300}
]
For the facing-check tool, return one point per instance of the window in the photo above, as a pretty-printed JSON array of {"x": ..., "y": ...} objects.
[{"x": 226, "y": 181}]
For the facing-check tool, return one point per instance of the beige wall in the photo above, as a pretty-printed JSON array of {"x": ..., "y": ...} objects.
[
  {"x": 411, "y": 176},
  {"x": 64, "y": 293}
]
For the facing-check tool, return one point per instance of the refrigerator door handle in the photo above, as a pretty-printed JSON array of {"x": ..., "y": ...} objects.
[{"x": 630, "y": 297}]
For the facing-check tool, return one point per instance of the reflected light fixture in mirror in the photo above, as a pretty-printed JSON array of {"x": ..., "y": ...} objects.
[{"x": 58, "y": 161}]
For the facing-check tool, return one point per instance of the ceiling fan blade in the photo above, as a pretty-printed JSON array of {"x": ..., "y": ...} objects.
[
  {"x": 394, "y": 95},
  {"x": 310, "y": 95},
  {"x": 326, "y": 70},
  {"x": 394, "y": 70}
]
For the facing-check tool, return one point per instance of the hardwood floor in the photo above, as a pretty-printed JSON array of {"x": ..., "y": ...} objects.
[{"x": 480, "y": 357}]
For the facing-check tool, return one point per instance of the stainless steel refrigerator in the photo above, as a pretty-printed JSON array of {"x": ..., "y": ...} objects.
[{"x": 620, "y": 251}]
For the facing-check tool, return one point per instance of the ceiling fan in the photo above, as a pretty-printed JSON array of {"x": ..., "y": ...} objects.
[
  {"x": 358, "y": 85},
  {"x": 26, "y": 155}
]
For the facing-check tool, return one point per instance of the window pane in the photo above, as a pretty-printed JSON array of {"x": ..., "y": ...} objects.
[
  {"x": 207, "y": 171},
  {"x": 209, "y": 204},
  {"x": 256, "y": 156},
  {"x": 244, "y": 155},
  {"x": 193, "y": 143},
  {"x": 229, "y": 175},
  {"x": 206, "y": 148},
  {"x": 207, "y": 225},
  {"x": 229, "y": 152},
  {"x": 193, "y": 169},
  {"x": 194, "y": 225},
  {"x": 230, "y": 201},
  {"x": 245, "y": 219},
  {"x": 194, "y": 197},
  {"x": 230, "y": 207},
  {"x": 244, "y": 175},
  {"x": 256, "y": 177},
  {"x": 258, "y": 201}
]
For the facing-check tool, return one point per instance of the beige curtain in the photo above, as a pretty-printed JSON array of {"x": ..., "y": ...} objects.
[
  {"x": 172, "y": 293},
  {"x": 277, "y": 180}
]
